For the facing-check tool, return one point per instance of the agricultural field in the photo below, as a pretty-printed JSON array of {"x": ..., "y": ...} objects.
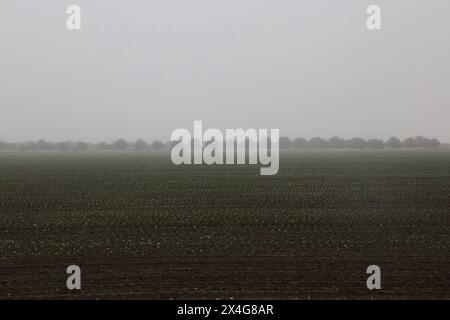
[{"x": 141, "y": 227}]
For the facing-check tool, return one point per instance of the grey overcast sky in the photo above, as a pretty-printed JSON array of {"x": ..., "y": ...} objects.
[{"x": 142, "y": 68}]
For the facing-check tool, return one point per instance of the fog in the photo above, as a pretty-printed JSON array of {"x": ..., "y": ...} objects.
[{"x": 143, "y": 68}]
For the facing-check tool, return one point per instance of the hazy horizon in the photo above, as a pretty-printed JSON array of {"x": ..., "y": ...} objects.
[
  {"x": 96, "y": 141},
  {"x": 141, "y": 69}
]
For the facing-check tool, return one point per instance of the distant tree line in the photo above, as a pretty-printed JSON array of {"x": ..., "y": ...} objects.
[
  {"x": 418, "y": 142},
  {"x": 118, "y": 145}
]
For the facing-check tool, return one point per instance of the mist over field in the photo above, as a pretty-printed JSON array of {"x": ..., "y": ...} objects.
[{"x": 140, "y": 69}]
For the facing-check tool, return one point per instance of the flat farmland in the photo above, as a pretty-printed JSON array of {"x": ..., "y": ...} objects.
[{"x": 141, "y": 227}]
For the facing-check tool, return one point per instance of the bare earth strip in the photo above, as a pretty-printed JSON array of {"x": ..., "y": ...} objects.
[{"x": 226, "y": 278}]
